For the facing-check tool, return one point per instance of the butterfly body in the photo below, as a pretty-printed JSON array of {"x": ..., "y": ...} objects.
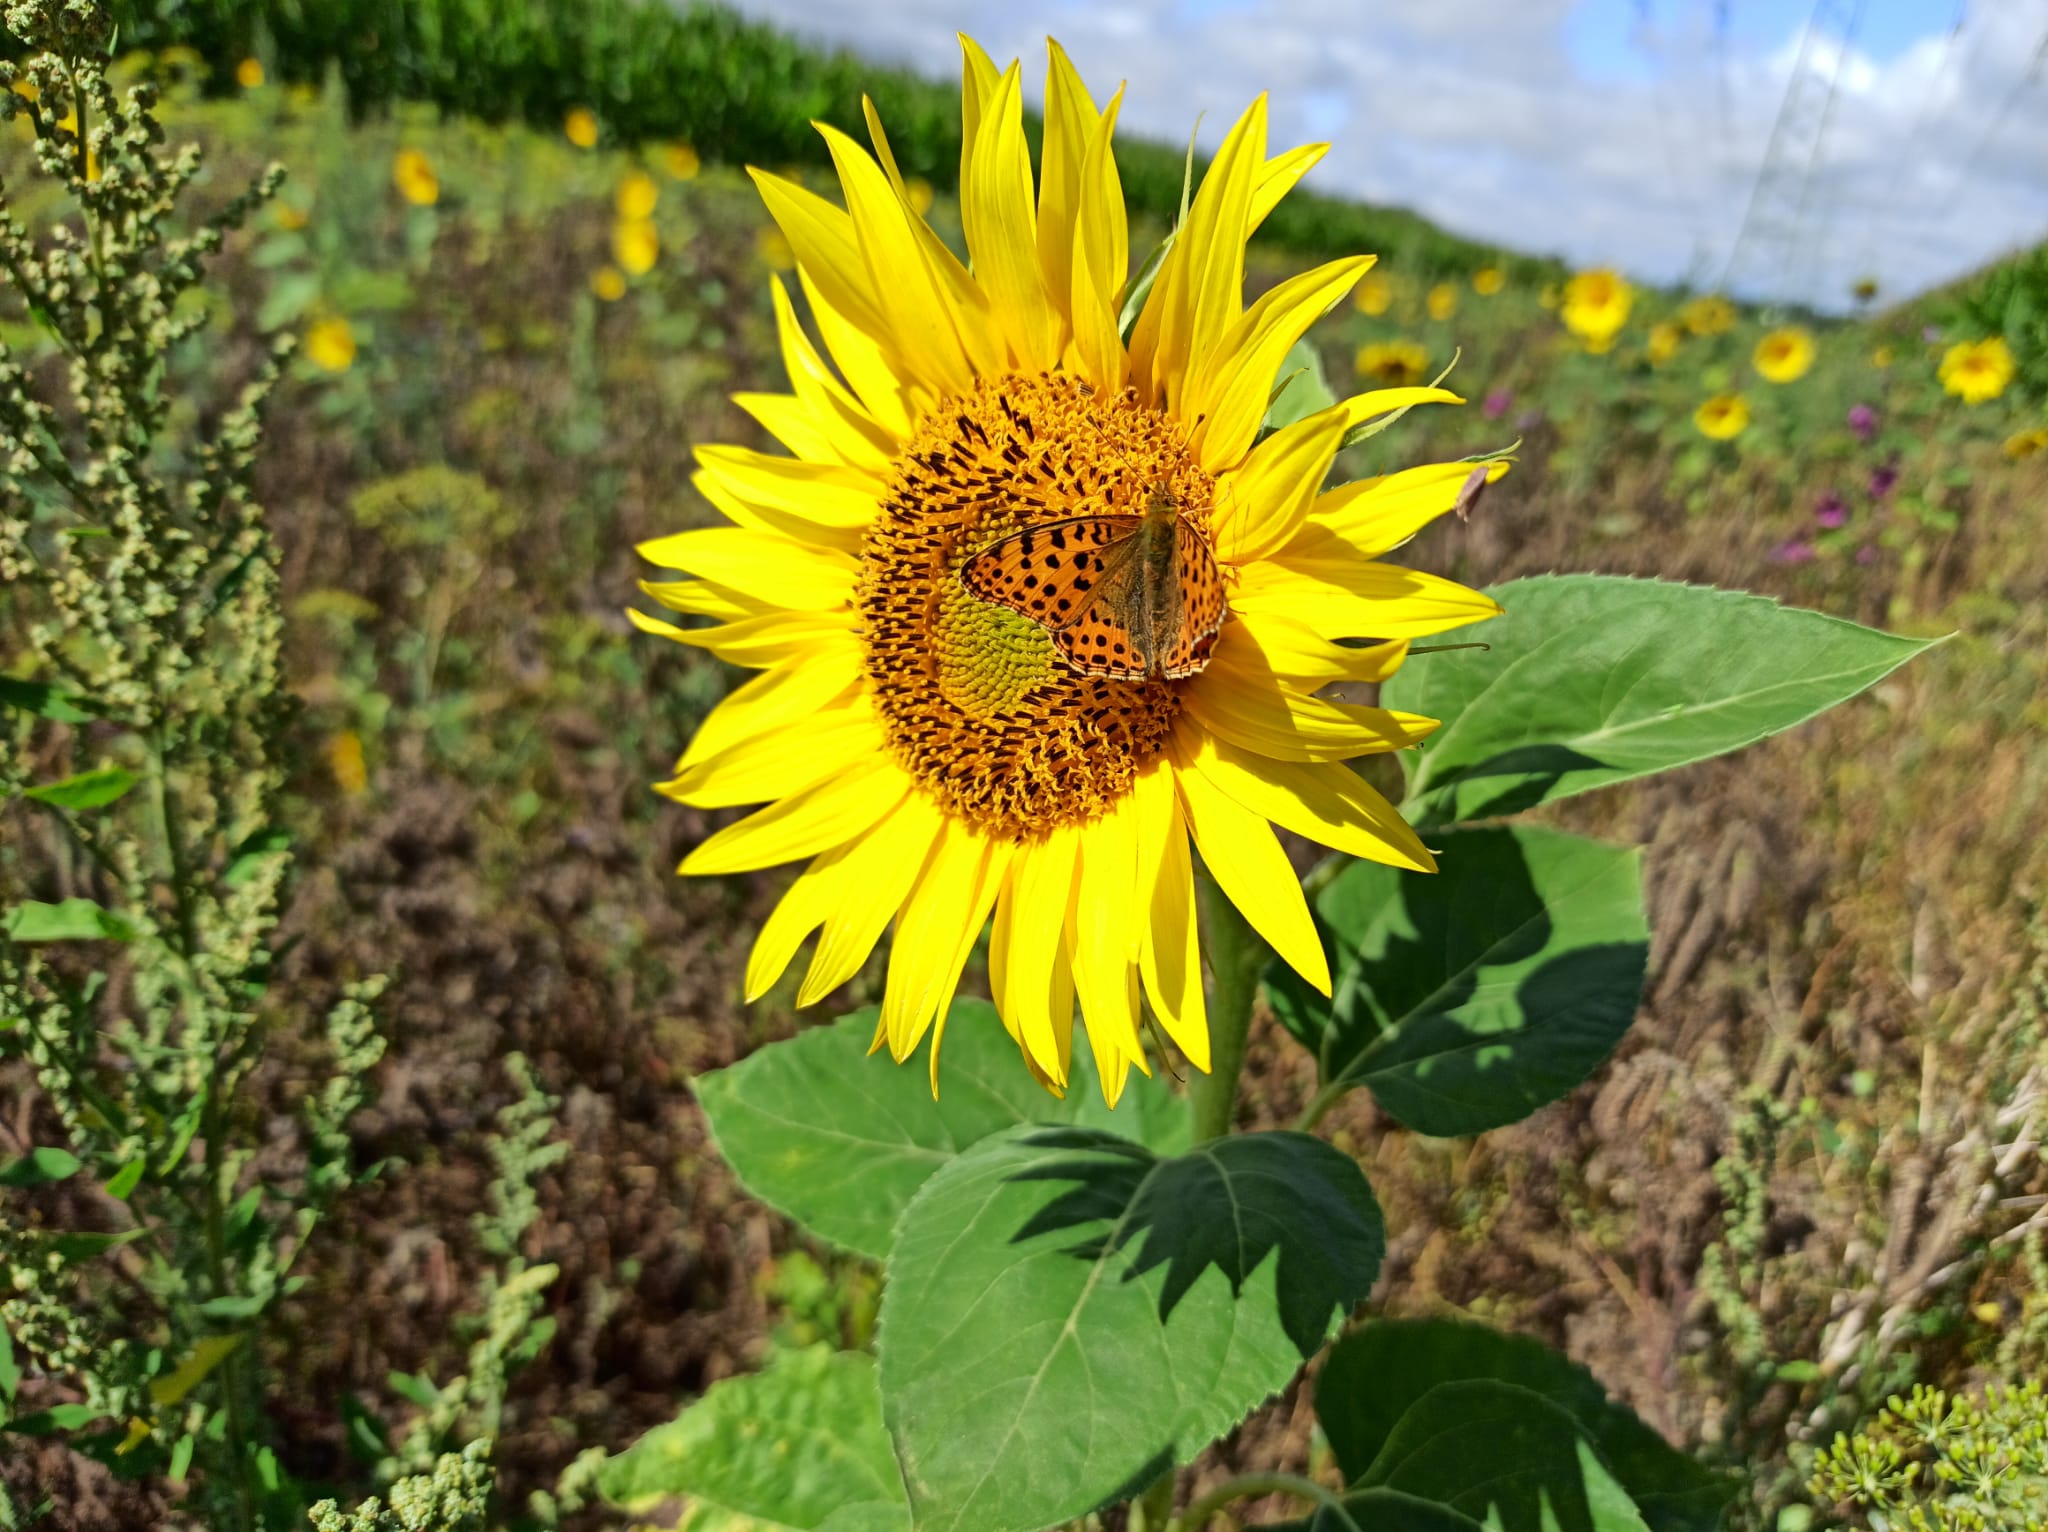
[{"x": 1129, "y": 596}]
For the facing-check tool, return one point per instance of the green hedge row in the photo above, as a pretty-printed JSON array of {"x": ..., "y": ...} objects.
[{"x": 740, "y": 91}]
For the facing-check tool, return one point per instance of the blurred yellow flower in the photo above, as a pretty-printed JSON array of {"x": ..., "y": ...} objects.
[
  {"x": 609, "y": 283},
  {"x": 1664, "y": 342},
  {"x": 1975, "y": 371},
  {"x": 1710, "y": 314},
  {"x": 413, "y": 174},
  {"x": 772, "y": 245},
  {"x": 1723, "y": 417},
  {"x": 1548, "y": 296},
  {"x": 1397, "y": 363},
  {"x": 249, "y": 73},
  {"x": 345, "y": 760},
  {"x": 1863, "y": 289},
  {"x": 681, "y": 161},
  {"x": 1443, "y": 301},
  {"x": 580, "y": 127},
  {"x": 1883, "y": 357},
  {"x": 289, "y": 215},
  {"x": 1488, "y": 280},
  {"x": 1374, "y": 294},
  {"x": 636, "y": 195},
  {"x": 2026, "y": 443},
  {"x": 1783, "y": 355},
  {"x": 917, "y": 191},
  {"x": 1596, "y": 305},
  {"x": 635, "y": 245},
  {"x": 331, "y": 345}
]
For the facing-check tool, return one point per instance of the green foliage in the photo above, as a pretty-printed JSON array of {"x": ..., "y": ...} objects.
[
  {"x": 843, "y": 1147},
  {"x": 798, "y": 1445},
  {"x": 738, "y": 91},
  {"x": 453, "y": 1497},
  {"x": 143, "y": 635},
  {"x": 1378, "y": 1373},
  {"x": 1591, "y": 680},
  {"x": 1068, "y": 1315},
  {"x": 1467, "y": 998},
  {"x": 1935, "y": 1462}
]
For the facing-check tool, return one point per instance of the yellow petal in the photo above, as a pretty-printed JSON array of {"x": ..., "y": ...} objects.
[
  {"x": 1070, "y": 123},
  {"x": 757, "y": 563},
  {"x": 1101, "y": 261},
  {"x": 815, "y": 892},
  {"x": 875, "y": 877},
  {"x": 1247, "y": 863},
  {"x": 978, "y": 80},
  {"x": 1230, "y": 382},
  {"x": 827, "y": 494},
  {"x": 757, "y": 642},
  {"x": 967, "y": 303},
  {"x": 1278, "y": 177},
  {"x": 1000, "y": 216},
  {"x": 700, "y": 598},
  {"x": 1326, "y": 801},
  {"x": 1262, "y": 502},
  {"x": 1319, "y": 581},
  {"x": 934, "y": 935},
  {"x": 1374, "y": 515},
  {"x": 802, "y": 687},
  {"x": 1297, "y": 654},
  {"x": 1240, "y": 699},
  {"x": 790, "y": 421},
  {"x": 851, "y": 429},
  {"x": 780, "y": 762},
  {"x": 1104, "y": 935},
  {"x": 1041, "y": 890},
  {"x": 827, "y": 815},
  {"x": 827, "y": 248},
  {"x": 1201, "y": 282},
  {"x": 921, "y": 328},
  {"x": 1170, "y": 955},
  {"x": 868, "y": 366}
]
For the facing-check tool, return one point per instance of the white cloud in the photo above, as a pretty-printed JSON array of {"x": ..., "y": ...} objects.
[{"x": 1476, "y": 114}]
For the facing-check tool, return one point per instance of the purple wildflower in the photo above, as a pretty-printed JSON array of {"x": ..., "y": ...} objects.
[
  {"x": 1863, "y": 421},
  {"x": 1797, "y": 551},
  {"x": 1832, "y": 511},
  {"x": 1866, "y": 554},
  {"x": 1497, "y": 404},
  {"x": 1883, "y": 480},
  {"x": 1930, "y": 333}
]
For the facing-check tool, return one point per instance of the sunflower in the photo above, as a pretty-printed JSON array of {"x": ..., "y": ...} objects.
[
  {"x": 1975, "y": 371},
  {"x": 331, "y": 345},
  {"x": 636, "y": 195},
  {"x": 1723, "y": 417},
  {"x": 636, "y": 245},
  {"x": 1488, "y": 280},
  {"x": 934, "y": 756},
  {"x": 1783, "y": 355},
  {"x": 1596, "y": 305},
  {"x": 1442, "y": 301},
  {"x": 1883, "y": 357},
  {"x": 681, "y": 162},
  {"x": 579, "y": 126},
  {"x": 1374, "y": 294},
  {"x": 1710, "y": 314},
  {"x": 1394, "y": 362},
  {"x": 2025, "y": 444},
  {"x": 413, "y": 174},
  {"x": 1663, "y": 343}
]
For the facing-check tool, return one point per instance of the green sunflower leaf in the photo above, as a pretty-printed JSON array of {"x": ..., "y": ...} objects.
[
  {"x": 1380, "y": 1510},
  {"x": 841, "y": 1141},
  {"x": 1466, "y": 998},
  {"x": 1541, "y": 1474},
  {"x": 1301, "y": 390},
  {"x": 67, "y": 920},
  {"x": 1068, "y": 1314},
  {"x": 1376, "y": 1374},
  {"x": 86, "y": 790},
  {"x": 1595, "y": 679},
  {"x": 797, "y": 1446}
]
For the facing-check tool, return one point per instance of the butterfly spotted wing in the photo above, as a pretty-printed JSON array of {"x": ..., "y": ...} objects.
[{"x": 1122, "y": 596}]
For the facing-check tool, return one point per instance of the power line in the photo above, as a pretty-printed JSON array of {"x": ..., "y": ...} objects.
[
  {"x": 1968, "y": 163},
  {"x": 1908, "y": 169}
]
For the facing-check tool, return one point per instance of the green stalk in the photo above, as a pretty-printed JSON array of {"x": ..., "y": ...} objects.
[
  {"x": 1237, "y": 957},
  {"x": 1196, "y": 1516}
]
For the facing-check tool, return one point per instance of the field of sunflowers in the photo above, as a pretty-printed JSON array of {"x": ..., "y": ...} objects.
[{"x": 1808, "y": 1182}]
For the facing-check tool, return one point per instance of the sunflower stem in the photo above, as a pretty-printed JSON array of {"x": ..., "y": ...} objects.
[{"x": 1236, "y": 957}]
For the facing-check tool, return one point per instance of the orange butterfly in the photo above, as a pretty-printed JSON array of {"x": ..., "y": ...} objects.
[{"x": 1121, "y": 595}]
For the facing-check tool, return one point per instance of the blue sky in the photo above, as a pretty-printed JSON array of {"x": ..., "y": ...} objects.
[{"x": 1625, "y": 132}]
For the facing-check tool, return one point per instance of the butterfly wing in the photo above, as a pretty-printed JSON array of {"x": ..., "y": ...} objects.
[
  {"x": 1055, "y": 573},
  {"x": 1203, "y": 604}
]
